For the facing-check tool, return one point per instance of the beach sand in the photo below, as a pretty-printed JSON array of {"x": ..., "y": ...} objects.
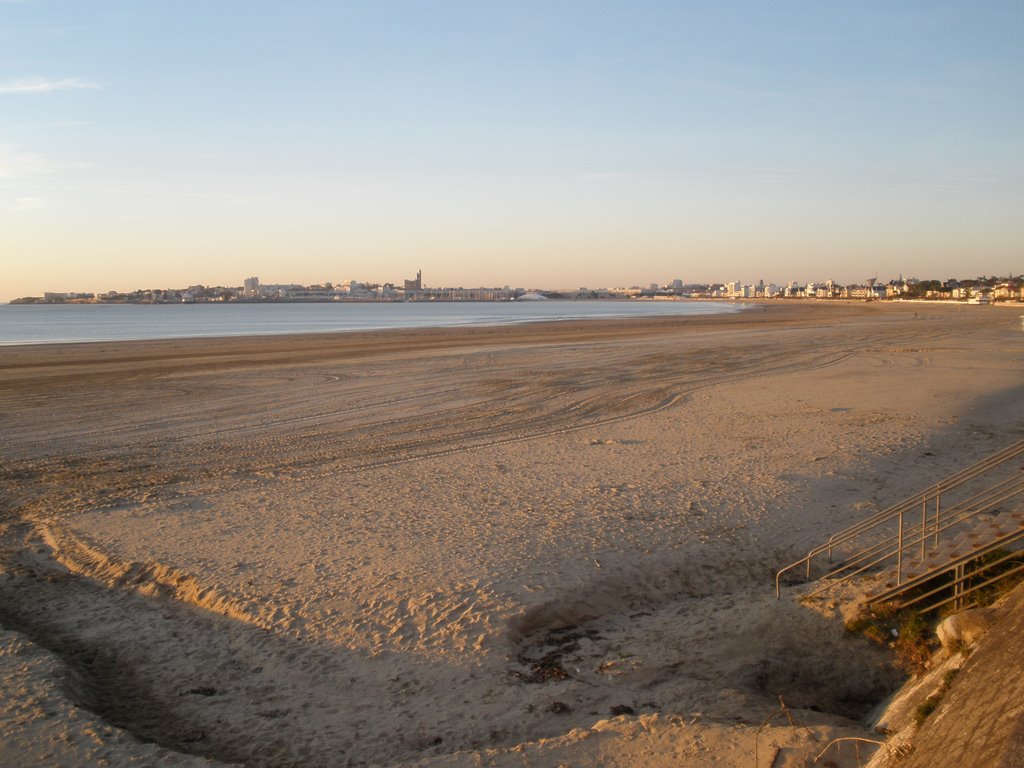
[{"x": 540, "y": 545}]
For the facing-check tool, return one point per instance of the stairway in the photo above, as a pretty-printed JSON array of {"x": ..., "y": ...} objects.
[
  {"x": 925, "y": 551},
  {"x": 972, "y": 561}
]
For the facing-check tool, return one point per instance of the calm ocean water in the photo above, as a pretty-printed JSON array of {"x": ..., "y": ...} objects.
[{"x": 49, "y": 324}]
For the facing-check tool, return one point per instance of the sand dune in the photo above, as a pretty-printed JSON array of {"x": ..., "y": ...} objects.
[{"x": 540, "y": 545}]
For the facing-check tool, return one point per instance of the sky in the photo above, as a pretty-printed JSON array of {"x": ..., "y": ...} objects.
[{"x": 157, "y": 144}]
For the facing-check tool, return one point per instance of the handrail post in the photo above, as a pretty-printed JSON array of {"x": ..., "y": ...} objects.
[
  {"x": 936, "y": 516},
  {"x": 899, "y": 553},
  {"x": 924, "y": 522},
  {"x": 956, "y": 588}
]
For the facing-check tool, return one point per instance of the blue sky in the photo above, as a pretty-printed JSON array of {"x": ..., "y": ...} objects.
[{"x": 557, "y": 144}]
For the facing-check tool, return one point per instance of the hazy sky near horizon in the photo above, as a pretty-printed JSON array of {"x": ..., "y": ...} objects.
[{"x": 556, "y": 143}]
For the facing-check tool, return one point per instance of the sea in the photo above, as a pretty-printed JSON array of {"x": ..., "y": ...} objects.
[{"x": 64, "y": 323}]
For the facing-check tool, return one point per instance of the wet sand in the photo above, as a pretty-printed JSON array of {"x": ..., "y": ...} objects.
[{"x": 528, "y": 545}]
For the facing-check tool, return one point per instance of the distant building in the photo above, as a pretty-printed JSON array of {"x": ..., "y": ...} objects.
[
  {"x": 57, "y": 297},
  {"x": 251, "y": 286},
  {"x": 415, "y": 285},
  {"x": 734, "y": 290},
  {"x": 460, "y": 294}
]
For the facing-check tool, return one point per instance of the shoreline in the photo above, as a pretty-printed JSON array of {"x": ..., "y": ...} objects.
[
  {"x": 296, "y": 347},
  {"x": 271, "y": 349},
  {"x": 580, "y": 329},
  {"x": 442, "y": 320}
]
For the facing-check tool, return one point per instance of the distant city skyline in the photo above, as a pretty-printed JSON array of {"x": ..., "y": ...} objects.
[
  {"x": 243, "y": 283},
  {"x": 556, "y": 144},
  {"x": 998, "y": 287}
]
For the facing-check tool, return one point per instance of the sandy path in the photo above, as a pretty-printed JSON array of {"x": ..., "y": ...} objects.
[{"x": 445, "y": 546}]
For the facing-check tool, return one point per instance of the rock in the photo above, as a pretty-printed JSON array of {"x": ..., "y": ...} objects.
[{"x": 964, "y": 628}]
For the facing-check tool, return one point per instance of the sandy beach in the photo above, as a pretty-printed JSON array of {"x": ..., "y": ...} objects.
[{"x": 537, "y": 545}]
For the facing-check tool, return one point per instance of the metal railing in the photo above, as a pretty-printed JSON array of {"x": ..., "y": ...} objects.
[
  {"x": 917, "y": 534},
  {"x": 915, "y": 538},
  {"x": 965, "y": 582}
]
